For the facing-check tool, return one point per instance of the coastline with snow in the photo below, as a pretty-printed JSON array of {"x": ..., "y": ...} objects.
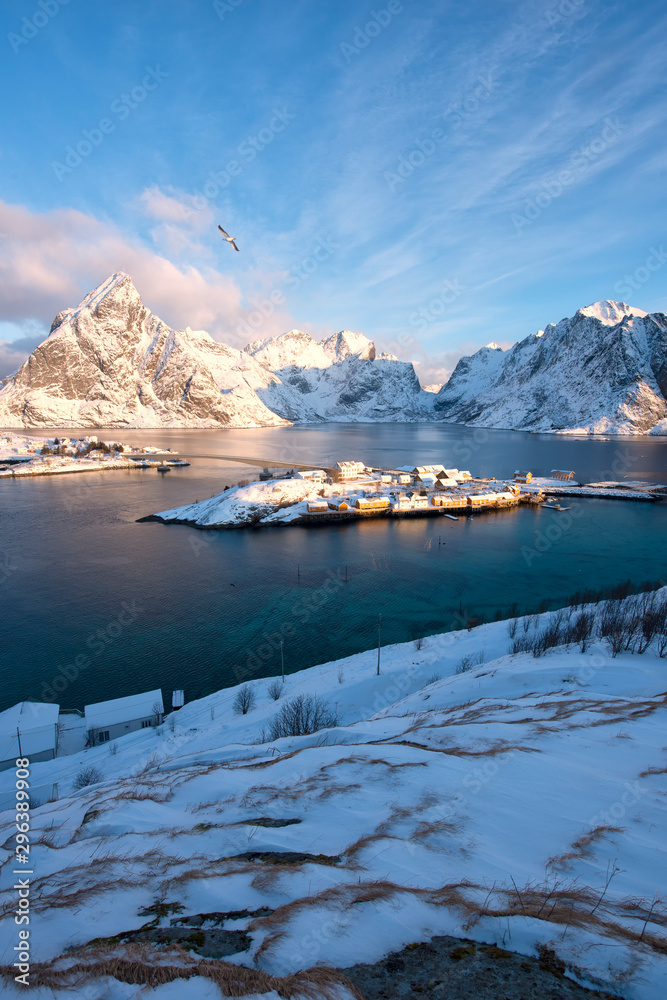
[
  {"x": 473, "y": 789},
  {"x": 289, "y": 502},
  {"x": 22, "y": 456}
]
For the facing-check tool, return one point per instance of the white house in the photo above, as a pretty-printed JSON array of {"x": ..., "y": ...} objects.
[
  {"x": 419, "y": 470},
  {"x": 349, "y": 470},
  {"x": 107, "y": 720},
  {"x": 316, "y": 475},
  {"x": 409, "y": 501},
  {"x": 29, "y": 729},
  {"x": 426, "y": 479}
]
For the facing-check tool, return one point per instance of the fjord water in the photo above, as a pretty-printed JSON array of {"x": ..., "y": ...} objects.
[{"x": 94, "y": 605}]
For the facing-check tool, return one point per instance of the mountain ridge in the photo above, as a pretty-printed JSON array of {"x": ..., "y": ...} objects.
[
  {"x": 111, "y": 362},
  {"x": 602, "y": 371}
]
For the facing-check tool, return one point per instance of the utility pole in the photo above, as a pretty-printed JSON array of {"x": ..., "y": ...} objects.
[
  {"x": 282, "y": 662},
  {"x": 379, "y": 638}
]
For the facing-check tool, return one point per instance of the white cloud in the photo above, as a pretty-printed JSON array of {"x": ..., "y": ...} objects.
[{"x": 50, "y": 260}]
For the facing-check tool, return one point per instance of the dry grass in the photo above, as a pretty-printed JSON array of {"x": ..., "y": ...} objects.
[
  {"x": 317, "y": 785},
  {"x": 652, "y": 770},
  {"x": 581, "y": 847},
  {"x": 360, "y": 759},
  {"x": 612, "y": 712},
  {"x": 597, "y": 833},
  {"x": 73, "y": 886},
  {"x": 146, "y": 966},
  {"x": 564, "y": 904},
  {"x": 269, "y": 878},
  {"x": 499, "y": 748},
  {"x": 147, "y": 795},
  {"x": 268, "y": 763},
  {"x": 214, "y": 804},
  {"x": 552, "y": 707},
  {"x": 353, "y": 850},
  {"x": 386, "y": 829},
  {"x": 426, "y": 828}
]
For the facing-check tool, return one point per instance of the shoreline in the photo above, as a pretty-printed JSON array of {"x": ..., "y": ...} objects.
[
  {"x": 464, "y": 511},
  {"x": 572, "y": 434}
]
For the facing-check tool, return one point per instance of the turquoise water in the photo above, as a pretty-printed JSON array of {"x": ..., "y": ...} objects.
[{"x": 94, "y": 605}]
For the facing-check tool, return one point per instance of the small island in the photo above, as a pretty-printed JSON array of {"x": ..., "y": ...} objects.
[
  {"x": 351, "y": 491},
  {"x": 22, "y": 456}
]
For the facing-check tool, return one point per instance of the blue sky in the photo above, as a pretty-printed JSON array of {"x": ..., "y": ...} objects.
[{"x": 434, "y": 175}]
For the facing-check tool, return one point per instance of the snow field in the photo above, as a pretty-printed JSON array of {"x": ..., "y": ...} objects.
[{"x": 521, "y": 801}]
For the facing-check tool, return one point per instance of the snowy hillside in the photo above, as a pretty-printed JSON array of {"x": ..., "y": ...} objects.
[
  {"x": 340, "y": 378},
  {"x": 604, "y": 371},
  {"x": 467, "y": 790},
  {"x": 111, "y": 363}
]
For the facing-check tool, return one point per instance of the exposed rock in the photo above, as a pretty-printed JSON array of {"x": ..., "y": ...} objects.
[
  {"x": 604, "y": 371},
  {"x": 111, "y": 363}
]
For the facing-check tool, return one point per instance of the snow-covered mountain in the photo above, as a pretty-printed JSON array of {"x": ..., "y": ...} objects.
[
  {"x": 112, "y": 363},
  {"x": 340, "y": 378},
  {"x": 604, "y": 371}
]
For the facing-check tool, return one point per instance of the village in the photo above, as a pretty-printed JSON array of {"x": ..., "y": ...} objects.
[
  {"x": 434, "y": 489},
  {"x": 352, "y": 490},
  {"x": 21, "y": 456},
  {"x": 356, "y": 490}
]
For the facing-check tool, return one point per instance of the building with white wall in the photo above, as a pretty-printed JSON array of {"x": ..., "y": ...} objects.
[
  {"x": 107, "y": 720},
  {"x": 29, "y": 729}
]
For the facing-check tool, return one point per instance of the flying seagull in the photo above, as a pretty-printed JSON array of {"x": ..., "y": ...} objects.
[{"x": 229, "y": 239}]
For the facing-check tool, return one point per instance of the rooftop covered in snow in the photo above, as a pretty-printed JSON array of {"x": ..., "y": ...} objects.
[
  {"x": 134, "y": 706},
  {"x": 35, "y": 722}
]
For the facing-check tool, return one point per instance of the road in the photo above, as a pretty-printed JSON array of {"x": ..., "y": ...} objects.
[{"x": 240, "y": 459}]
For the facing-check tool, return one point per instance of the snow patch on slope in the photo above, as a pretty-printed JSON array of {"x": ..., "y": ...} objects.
[{"x": 436, "y": 799}]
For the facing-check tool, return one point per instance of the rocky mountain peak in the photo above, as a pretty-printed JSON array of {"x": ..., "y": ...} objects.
[
  {"x": 346, "y": 344},
  {"x": 604, "y": 370},
  {"x": 610, "y": 312},
  {"x": 110, "y": 362}
]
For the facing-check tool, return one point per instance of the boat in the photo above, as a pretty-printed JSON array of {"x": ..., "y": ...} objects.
[
  {"x": 451, "y": 516},
  {"x": 163, "y": 468}
]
